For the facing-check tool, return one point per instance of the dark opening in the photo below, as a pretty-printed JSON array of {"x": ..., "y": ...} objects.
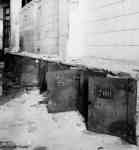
[
  {"x": 24, "y": 2},
  {"x": 6, "y": 30},
  {"x": 6, "y": 27},
  {"x": 1, "y": 33}
]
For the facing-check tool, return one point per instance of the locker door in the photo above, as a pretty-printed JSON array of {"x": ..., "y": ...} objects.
[
  {"x": 112, "y": 106},
  {"x": 62, "y": 87}
]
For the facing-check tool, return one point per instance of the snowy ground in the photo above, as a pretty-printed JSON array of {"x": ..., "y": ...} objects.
[{"x": 28, "y": 124}]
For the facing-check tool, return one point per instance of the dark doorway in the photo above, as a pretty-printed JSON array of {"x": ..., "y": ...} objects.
[
  {"x": 6, "y": 28},
  {"x": 1, "y": 32},
  {"x": 24, "y": 2}
]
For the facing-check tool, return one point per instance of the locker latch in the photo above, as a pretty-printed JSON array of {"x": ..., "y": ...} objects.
[{"x": 104, "y": 92}]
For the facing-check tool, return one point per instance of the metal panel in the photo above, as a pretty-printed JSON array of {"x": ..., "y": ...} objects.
[
  {"x": 21, "y": 71},
  {"x": 63, "y": 90},
  {"x": 1, "y": 78},
  {"x": 53, "y": 66},
  {"x": 30, "y": 72},
  {"x": 112, "y": 106}
]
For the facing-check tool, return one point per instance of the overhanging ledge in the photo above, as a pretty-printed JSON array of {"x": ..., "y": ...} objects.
[{"x": 114, "y": 68}]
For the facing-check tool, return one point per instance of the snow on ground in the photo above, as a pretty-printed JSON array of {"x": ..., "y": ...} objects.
[{"x": 27, "y": 123}]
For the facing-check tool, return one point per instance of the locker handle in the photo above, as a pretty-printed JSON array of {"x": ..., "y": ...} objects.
[{"x": 89, "y": 102}]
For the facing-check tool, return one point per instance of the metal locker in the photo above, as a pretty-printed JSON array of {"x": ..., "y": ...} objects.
[
  {"x": 112, "y": 106},
  {"x": 62, "y": 86},
  {"x": 30, "y": 71},
  {"x": 12, "y": 72}
]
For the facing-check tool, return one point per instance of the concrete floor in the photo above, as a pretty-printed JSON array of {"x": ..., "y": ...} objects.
[{"x": 26, "y": 124}]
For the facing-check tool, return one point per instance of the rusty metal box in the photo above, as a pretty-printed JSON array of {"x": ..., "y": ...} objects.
[
  {"x": 112, "y": 106},
  {"x": 1, "y": 77},
  {"x": 30, "y": 71},
  {"x": 20, "y": 71},
  {"x": 12, "y": 71},
  {"x": 62, "y": 86}
]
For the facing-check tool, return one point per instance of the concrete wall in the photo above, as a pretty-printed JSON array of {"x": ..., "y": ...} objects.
[
  {"x": 79, "y": 28},
  {"x": 15, "y": 6},
  {"x": 49, "y": 23},
  {"x": 1, "y": 27},
  {"x": 39, "y": 27},
  {"x": 106, "y": 28},
  {"x": 28, "y": 27},
  {"x": 44, "y": 27},
  {"x": 64, "y": 8}
]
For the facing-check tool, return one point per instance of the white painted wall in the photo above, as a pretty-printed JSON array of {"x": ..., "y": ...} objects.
[
  {"x": 104, "y": 28},
  {"x": 28, "y": 27},
  {"x": 77, "y": 28},
  {"x": 49, "y": 24},
  {"x": 39, "y": 26},
  {"x": 15, "y": 7},
  {"x": 64, "y": 8}
]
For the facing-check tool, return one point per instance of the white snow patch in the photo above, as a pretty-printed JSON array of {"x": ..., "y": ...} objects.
[{"x": 26, "y": 122}]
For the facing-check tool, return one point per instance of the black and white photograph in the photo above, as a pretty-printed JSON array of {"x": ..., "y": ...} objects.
[{"x": 69, "y": 74}]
